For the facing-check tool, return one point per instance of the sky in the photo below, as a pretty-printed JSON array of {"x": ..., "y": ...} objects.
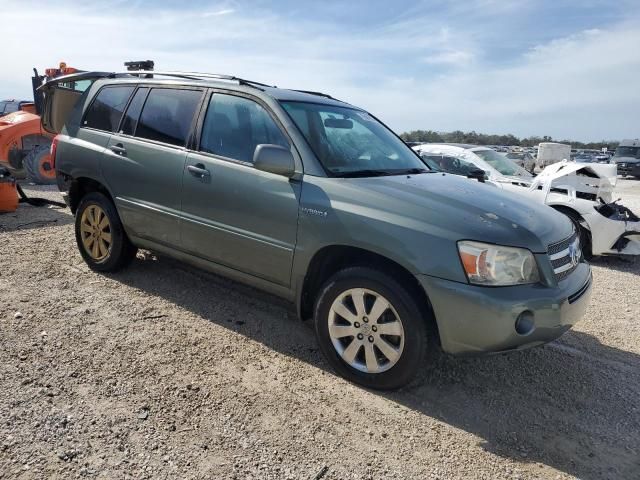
[{"x": 568, "y": 69}]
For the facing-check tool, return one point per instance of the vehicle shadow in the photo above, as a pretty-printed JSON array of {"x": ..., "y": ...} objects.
[
  {"x": 28, "y": 217},
  {"x": 628, "y": 263},
  {"x": 567, "y": 407}
]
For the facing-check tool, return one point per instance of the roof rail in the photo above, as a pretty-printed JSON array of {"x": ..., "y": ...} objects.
[
  {"x": 192, "y": 76},
  {"x": 319, "y": 94}
]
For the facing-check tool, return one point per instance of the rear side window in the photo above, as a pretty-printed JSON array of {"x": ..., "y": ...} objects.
[
  {"x": 133, "y": 112},
  {"x": 167, "y": 115},
  {"x": 235, "y": 126},
  {"x": 106, "y": 110}
]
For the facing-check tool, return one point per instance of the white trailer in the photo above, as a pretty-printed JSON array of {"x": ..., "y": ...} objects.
[{"x": 550, "y": 153}]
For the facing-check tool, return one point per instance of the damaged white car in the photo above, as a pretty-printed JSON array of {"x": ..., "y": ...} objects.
[{"x": 583, "y": 192}]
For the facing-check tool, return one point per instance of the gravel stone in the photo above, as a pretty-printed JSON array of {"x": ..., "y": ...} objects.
[{"x": 238, "y": 388}]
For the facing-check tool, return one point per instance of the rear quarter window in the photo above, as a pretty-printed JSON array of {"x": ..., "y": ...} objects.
[{"x": 107, "y": 108}]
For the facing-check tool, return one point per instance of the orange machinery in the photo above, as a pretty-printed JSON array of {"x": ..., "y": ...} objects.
[{"x": 24, "y": 145}]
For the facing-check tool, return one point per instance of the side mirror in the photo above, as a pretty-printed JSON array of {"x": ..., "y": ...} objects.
[
  {"x": 274, "y": 159},
  {"x": 478, "y": 174}
]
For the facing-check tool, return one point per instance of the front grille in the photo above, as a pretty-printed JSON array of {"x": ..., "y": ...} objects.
[{"x": 565, "y": 256}]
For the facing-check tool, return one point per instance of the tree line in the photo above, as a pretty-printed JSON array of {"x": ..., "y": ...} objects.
[{"x": 474, "y": 138}]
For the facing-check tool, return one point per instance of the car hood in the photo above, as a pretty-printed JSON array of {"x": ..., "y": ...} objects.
[
  {"x": 458, "y": 208},
  {"x": 626, "y": 159},
  {"x": 514, "y": 179},
  {"x": 590, "y": 178}
]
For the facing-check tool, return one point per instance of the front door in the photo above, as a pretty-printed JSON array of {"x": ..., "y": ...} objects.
[{"x": 233, "y": 214}]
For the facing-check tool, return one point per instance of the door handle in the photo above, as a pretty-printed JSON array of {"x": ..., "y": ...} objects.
[
  {"x": 118, "y": 149},
  {"x": 198, "y": 170}
]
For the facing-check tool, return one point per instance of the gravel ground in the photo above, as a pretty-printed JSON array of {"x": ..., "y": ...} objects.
[{"x": 163, "y": 371}]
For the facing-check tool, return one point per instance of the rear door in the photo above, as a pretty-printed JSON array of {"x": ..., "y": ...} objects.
[
  {"x": 233, "y": 214},
  {"x": 61, "y": 96},
  {"x": 144, "y": 161}
]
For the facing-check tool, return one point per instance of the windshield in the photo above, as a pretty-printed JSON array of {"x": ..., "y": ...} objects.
[
  {"x": 627, "y": 152},
  {"x": 350, "y": 142},
  {"x": 501, "y": 163}
]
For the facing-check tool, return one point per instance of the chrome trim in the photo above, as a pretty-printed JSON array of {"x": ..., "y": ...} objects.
[
  {"x": 564, "y": 268},
  {"x": 559, "y": 255}
]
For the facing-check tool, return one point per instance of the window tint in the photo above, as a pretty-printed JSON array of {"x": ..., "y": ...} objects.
[
  {"x": 133, "y": 112},
  {"x": 235, "y": 126},
  {"x": 167, "y": 115},
  {"x": 106, "y": 110}
]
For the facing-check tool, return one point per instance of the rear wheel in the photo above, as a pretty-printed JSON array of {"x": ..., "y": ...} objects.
[
  {"x": 370, "y": 328},
  {"x": 39, "y": 166},
  {"x": 101, "y": 239}
]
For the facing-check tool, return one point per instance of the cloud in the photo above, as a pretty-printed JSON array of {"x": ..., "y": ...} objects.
[
  {"x": 453, "y": 68},
  {"x": 453, "y": 57},
  {"x": 225, "y": 11}
]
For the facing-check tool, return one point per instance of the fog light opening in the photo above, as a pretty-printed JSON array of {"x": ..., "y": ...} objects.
[{"x": 524, "y": 323}]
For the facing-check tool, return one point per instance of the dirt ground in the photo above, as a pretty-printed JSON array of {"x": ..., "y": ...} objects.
[{"x": 163, "y": 371}]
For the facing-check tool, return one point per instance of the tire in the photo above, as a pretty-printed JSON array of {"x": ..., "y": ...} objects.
[
  {"x": 412, "y": 343},
  {"x": 104, "y": 245},
  {"x": 39, "y": 167}
]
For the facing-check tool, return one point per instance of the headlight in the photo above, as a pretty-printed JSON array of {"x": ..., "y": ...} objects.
[{"x": 495, "y": 265}]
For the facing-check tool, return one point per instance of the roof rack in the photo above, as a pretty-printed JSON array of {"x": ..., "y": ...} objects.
[
  {"x": 192, "y": 76},
  {"x": 319, "y": 94}
]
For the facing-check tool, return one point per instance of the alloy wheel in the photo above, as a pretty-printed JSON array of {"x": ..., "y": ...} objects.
[
  {"x": 366, "y": 330},
  {"x": 95, "y": 230}
]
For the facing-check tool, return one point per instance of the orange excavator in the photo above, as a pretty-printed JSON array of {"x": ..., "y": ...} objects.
[{"x": 24, "y": 145}]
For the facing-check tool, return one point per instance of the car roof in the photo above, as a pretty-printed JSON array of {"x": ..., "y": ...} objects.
[{"x": 280, "y": 94}]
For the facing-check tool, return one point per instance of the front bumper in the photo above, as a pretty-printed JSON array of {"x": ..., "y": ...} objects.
[
  {"x": 629, "y": 169},
  {"x": 475, "y": 320}
]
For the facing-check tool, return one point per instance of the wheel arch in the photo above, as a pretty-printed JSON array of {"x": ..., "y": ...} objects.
[
  {"x": 571, "y": 213},
  {"x": 80, "y": 186},
  {"x": 332, "y": 258}
]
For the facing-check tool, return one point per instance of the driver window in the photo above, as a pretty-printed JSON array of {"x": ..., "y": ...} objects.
[{"x": 235, "y": 126}]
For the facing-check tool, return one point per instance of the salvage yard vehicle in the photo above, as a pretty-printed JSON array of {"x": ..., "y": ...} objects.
[
  {"x": 627, "y": 158},
  {"x": 582, "y": 191},
  {"x": 10, "y": 106},
  {"x": 317, "y": 201},
  {"x": 24, "y": 146},
  {"x": 463, "y": 159},
  {"x": 522, "y": 159},
  {"x": 552, "y": 152}
]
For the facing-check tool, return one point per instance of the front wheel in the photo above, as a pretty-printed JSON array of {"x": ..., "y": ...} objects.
[
  {"x": 370, "y": 328},
  {"x": 101, "y": 239}
]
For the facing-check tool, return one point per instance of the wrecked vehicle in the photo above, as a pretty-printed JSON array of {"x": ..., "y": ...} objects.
[
  {"x": 317, "y": 201},
  {"x": 583, "y": 192}
]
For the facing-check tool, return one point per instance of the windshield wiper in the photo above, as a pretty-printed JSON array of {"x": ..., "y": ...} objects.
[
  {"x": 365, "y": 173},
  {"x": 381, "y": 173},
  {"x": 414, "y": 171}
]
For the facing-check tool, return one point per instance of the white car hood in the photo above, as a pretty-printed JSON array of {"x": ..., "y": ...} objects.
[{"x": 598, "y": 179}]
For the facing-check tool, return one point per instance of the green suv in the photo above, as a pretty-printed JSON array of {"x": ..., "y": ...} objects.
[{"x": 317, "y": 201}]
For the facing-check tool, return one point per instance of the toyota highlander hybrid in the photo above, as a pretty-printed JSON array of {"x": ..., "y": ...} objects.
[{"x": 317, "y": 201}]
